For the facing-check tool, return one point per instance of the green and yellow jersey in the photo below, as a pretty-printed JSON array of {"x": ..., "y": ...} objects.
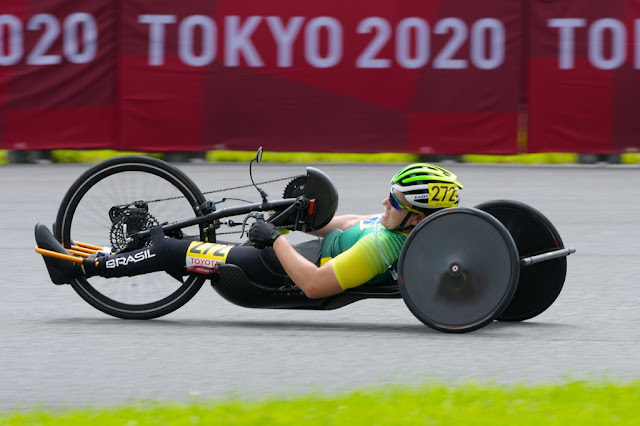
[{"x": 355, "y": 256}]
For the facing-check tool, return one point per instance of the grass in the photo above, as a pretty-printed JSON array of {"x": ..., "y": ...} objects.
[
  {"x": 583, "y": 403},
  {"x": 541, "y": 158},
  {"x": 95, "y": 156},
  {"x": 91, "y": 156},
  {"x": 312, "y": 157}
]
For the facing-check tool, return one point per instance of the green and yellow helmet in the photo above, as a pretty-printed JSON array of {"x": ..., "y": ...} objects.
[{"x": 427, "y": 187}]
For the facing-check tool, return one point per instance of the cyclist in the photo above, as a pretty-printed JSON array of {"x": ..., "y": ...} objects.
[{"x": 356, "y": 249}]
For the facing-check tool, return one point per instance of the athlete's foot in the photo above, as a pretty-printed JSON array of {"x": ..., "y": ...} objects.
[{"x": 61, "y": 271}]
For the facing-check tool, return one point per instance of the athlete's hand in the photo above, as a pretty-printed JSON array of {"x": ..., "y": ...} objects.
[{"x": 263, "y": 233}]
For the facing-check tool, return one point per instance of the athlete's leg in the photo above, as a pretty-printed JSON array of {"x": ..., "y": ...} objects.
[
  {"x": 179, "y": 257},
  {"x": 176, "y": 257},
  {"x": 165, "y": 254},
  {"x": 263, "y": 266},
  {"x": 168, "y": 255},
  {"x": 260, "y": 265}
]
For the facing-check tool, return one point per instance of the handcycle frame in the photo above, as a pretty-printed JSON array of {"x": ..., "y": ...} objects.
[{"x": 440, "y": 292}]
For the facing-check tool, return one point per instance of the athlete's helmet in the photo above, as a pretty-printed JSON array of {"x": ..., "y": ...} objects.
[{"x": 427, "y": 187}]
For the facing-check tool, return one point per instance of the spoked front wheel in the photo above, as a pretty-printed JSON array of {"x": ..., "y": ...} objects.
[{"x": 115, "y": 199}]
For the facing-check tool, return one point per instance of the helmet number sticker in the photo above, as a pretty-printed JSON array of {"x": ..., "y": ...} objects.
[{"x": 442, "y": 194}]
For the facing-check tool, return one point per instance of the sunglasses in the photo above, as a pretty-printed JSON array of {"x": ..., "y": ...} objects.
[{"x": 396, "y": 204}]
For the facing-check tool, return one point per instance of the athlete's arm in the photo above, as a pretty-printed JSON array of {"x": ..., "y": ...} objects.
[
  {"x": 363, "y": 261},
  {"x": 313, "y": 281},
  {"x": 341, "y": 222}
]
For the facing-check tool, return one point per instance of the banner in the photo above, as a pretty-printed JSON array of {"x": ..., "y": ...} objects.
[
  {"x": 419, "y": 76},
  {"x": 57, "y": 74},
  {"x": 428, "y": 76},
  {"x": 584, "y": 76}
]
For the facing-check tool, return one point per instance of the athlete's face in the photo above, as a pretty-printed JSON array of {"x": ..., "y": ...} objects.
[{"x": 392, "y": 217}]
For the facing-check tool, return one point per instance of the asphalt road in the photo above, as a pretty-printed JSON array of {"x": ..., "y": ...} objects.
[{"x": 56, "y": 350}]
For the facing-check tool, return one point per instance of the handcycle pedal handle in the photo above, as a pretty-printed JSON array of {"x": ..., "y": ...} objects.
[{"x": 256, "y": 215}]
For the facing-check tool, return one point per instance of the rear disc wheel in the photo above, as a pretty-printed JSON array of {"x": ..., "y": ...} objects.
[{"x": 540, "y": 284}]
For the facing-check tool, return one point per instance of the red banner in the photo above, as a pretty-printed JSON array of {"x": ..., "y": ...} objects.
[
  {"x": 57, "y": 74},
  {"x": 428, "y": 76},
  {"x": 584, "y": 78}
]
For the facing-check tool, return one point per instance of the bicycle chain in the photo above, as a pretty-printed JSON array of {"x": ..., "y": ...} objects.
[
  {"x": 231, "y": 189},
  {"x": 225, "y": 189}
]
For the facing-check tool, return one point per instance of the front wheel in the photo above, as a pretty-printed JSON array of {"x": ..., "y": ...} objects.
[
  {"x": 117, "y": 198},
  {"x": 458, "y": 270}
]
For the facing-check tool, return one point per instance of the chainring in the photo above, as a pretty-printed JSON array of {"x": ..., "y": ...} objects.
[{"x": 295, "y": 187}]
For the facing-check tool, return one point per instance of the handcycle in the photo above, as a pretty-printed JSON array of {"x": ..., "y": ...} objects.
[{"x": 460, "y": 269}]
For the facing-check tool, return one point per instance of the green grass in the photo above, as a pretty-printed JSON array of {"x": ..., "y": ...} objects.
[
  {"x": 630, "y": 158},
  {"x": 75, "y": 156},
  {"x": 541, "y": 158},
  {"x": 90, "y": 155},
  {"x": 579, "y": 403},
  {"x": 312, "y": 157}
]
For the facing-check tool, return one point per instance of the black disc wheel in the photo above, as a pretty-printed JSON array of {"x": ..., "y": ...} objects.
[
  {"x": 458, "y": 270},
  {"x": 115, "y": 199},
  {"x": 541, "y": 283}
]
